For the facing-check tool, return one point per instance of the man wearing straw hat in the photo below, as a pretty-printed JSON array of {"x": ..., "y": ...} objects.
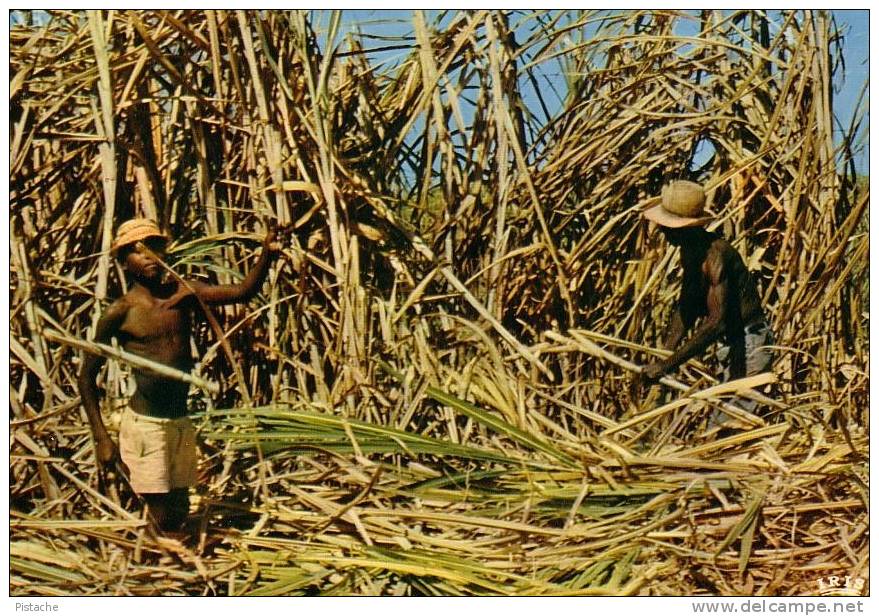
[
  {"x": 154, "y": 320},
  {"x": 716, "y": 288}
]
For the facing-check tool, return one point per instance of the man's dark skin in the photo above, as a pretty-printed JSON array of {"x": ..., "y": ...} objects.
[
  {"x": 154, "y": 320},
  {"x": 717, "y": 288}
]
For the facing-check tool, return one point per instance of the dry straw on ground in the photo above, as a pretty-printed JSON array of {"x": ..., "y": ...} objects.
[{"x": 436, "y": 376}]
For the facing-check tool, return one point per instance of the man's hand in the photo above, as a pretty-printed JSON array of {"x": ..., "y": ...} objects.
[
  {"x": 110, "y": 467},
  {"x": 105, "y": 451},
  {"x": 651, "y": 373},
  {"x": 278, "y": 237}
]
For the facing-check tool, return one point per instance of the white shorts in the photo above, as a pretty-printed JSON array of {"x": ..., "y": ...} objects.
[
  {"x": 758, "y": 354},
  {"x": 159, "y": 453},
  {"x": 758, "y": 358}
]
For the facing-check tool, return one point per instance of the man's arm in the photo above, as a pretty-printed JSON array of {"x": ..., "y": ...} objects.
[
  {"x": 711, "y": 328},
  {"x": 108, "y": 326},
  {"x": 248, "y": 287},
  {"x": 675, "y": 330}
]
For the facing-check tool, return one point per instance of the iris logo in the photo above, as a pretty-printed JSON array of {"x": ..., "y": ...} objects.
[{"x": 838, "y": 586}]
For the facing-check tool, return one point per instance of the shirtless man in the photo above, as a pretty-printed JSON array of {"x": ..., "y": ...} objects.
[
  {"x": 716, "y": 288},
  {"x": 154, "y": 320}
]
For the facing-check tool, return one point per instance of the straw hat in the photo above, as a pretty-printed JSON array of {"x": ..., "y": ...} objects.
[
  {"x": 135, "y": 230},
  {"x": 682, "y": 204}
]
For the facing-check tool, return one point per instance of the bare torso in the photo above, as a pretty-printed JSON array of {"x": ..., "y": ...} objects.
[
  {"x": 157, "y": 326},
  {"x": 717, "y": 261},
  {"x": 717, "y": 291}
]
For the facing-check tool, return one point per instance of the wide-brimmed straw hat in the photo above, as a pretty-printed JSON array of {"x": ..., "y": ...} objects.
[
  {"x": 682, "y": 204},
  {"x": 135, "y": 230}
]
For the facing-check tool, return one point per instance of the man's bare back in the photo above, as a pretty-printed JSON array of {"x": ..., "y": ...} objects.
[
  {"x": 718, "y": 299},
  {"x": 717, "y": 288}
]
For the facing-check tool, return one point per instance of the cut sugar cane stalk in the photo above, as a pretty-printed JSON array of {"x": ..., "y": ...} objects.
[
  {"x": 131, "y": 359},
  {"x": 587, "y": 346}
]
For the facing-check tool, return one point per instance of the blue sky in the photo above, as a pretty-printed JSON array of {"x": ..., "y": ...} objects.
[
  {"x": 856, "y": 51},
  {"x": 856, "y": 48}
]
